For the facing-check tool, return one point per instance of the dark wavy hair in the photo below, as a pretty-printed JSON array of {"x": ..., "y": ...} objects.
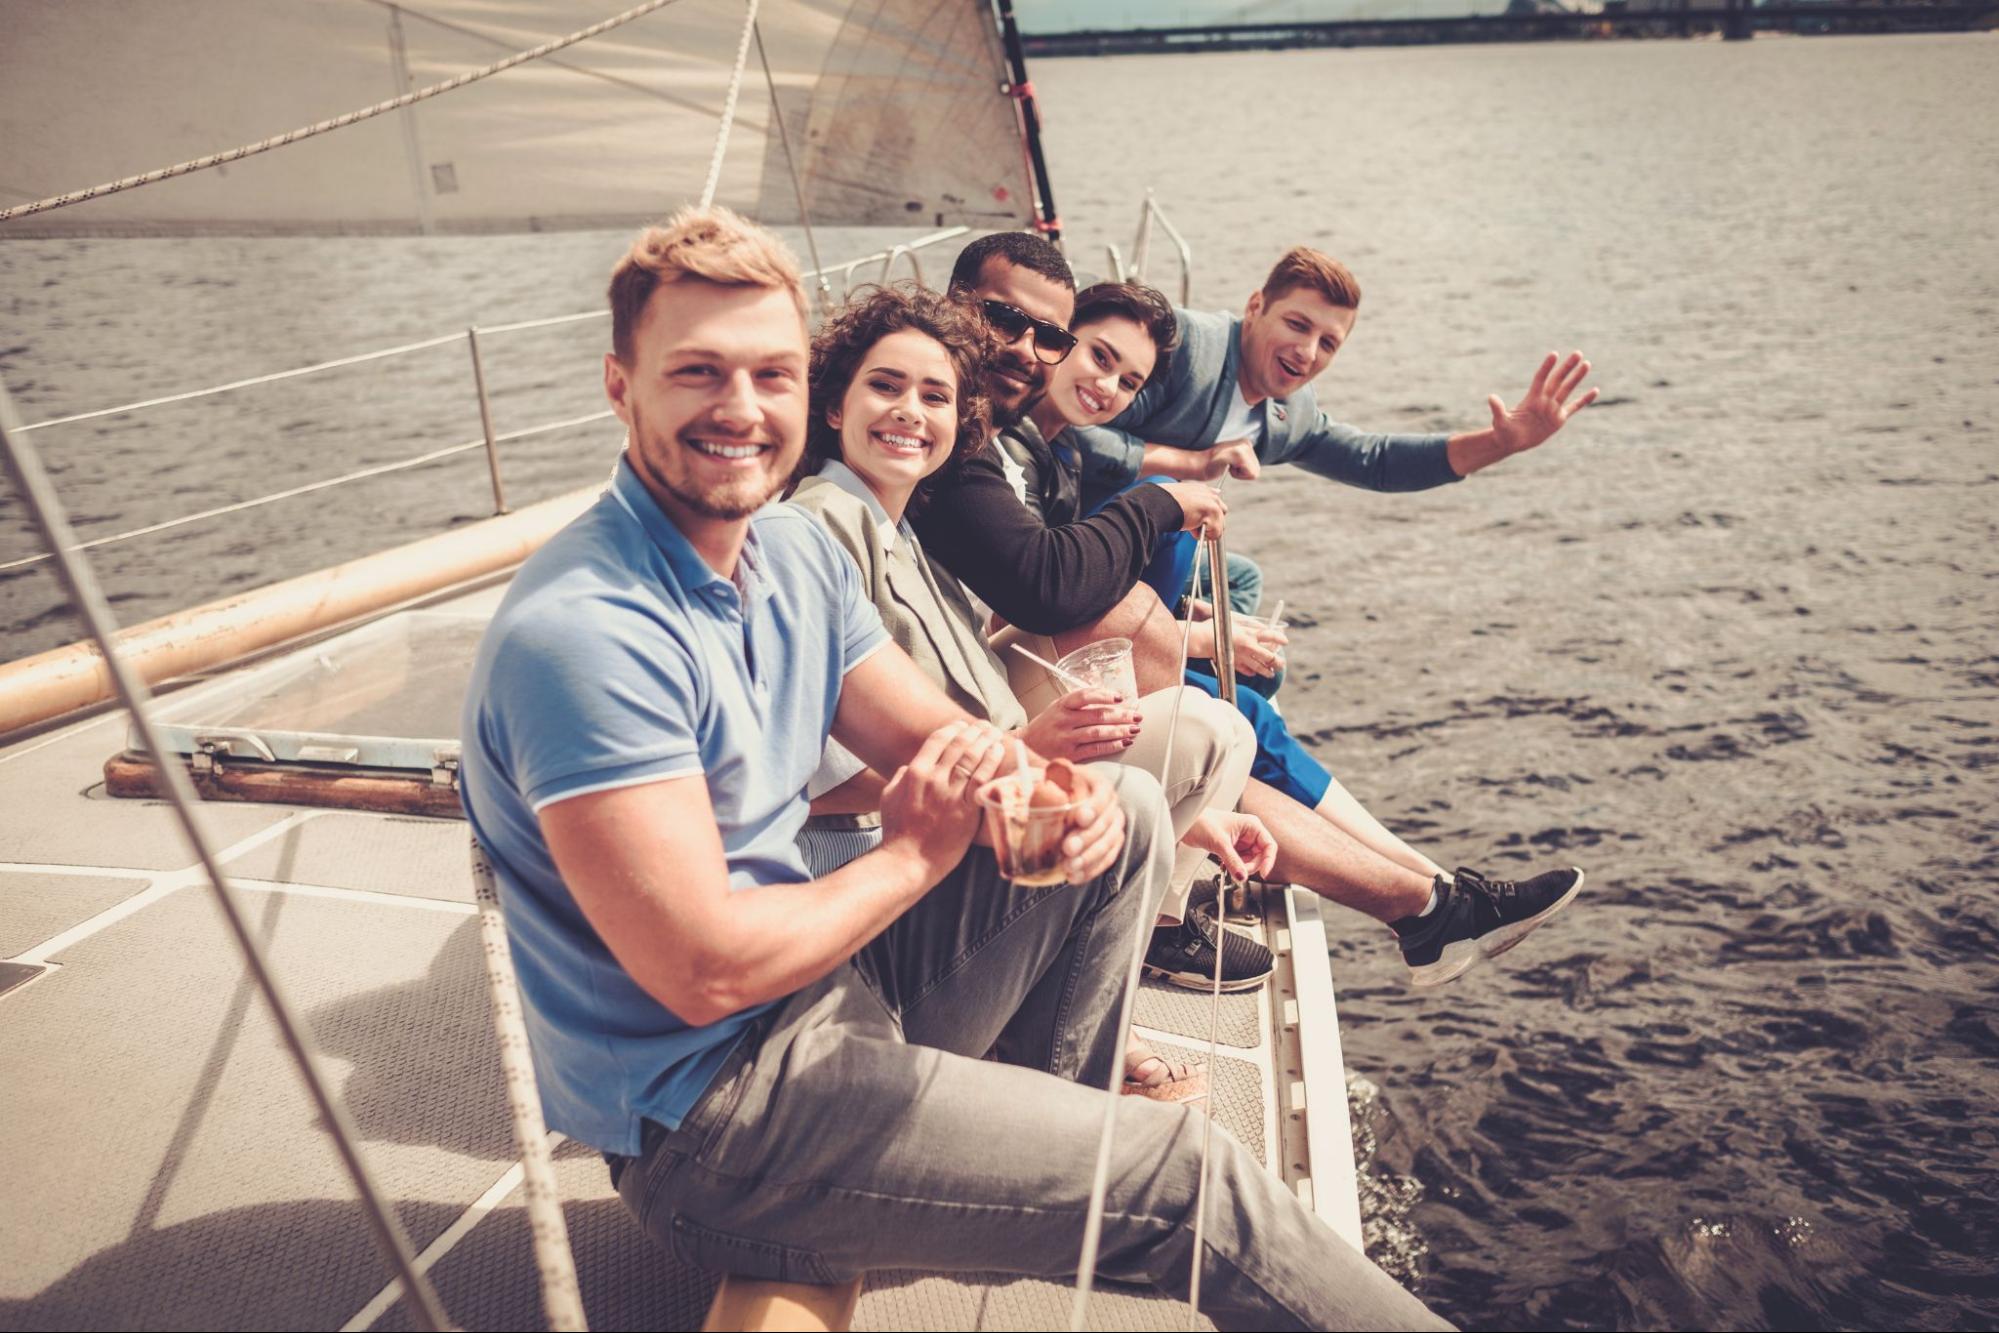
[
  {"x": 871, "y": 315},
  {"x": 1144, "y": 306}
]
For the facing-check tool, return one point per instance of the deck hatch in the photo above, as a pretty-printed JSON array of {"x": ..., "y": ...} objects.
[{"x": 385, "y": 696}]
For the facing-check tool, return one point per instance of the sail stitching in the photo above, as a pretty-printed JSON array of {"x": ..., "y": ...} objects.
[{"x": 350, "y": 118}]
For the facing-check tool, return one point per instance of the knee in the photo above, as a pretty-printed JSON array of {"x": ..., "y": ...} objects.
[{"x": 1214, "y": 731}]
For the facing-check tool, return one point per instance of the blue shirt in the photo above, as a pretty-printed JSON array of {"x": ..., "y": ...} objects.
[{"x": 617, "y": 658}]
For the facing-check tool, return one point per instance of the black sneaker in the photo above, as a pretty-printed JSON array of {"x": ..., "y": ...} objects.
[
  {"x": 1477, "y": 918},
  {"x": 1184, "y": 955}
]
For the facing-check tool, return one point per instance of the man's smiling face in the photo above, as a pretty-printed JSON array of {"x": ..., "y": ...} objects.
[
  {"x": 1015, "y": 377},
  {"x": 1289, "y": 342},
  {"x": 715, "y": 395}
]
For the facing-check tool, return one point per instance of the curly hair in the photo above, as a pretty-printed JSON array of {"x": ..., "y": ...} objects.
[
  {"x": 1144, "y": 306},
  {"x": 871, "y": 315}
]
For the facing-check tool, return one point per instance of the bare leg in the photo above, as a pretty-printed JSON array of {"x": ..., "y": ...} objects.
[
  {"x": 1339, "y": 807},
  {"x": 1316, "y": 854}
]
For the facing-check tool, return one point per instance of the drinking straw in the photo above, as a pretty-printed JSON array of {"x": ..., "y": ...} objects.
[
  {"x": 1026, "y": 778},
  {"x": 1277, "y": 616},
  {"x": 1075, "y": 681}
]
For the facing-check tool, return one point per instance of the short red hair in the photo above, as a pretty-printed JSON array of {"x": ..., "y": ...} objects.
[{"x": 1303, "y": 266}]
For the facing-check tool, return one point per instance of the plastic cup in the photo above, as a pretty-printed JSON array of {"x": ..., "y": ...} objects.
[
  {"x": 1027, "y": 840},
  {"x": 1258, "y": 624},
  {"x": 1106, "y": 665}
]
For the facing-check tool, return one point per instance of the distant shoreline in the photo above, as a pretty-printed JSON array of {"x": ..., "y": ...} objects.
[{"x": 1732, "y": 19}]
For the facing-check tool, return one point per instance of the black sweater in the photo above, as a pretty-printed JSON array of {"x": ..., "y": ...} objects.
[{"x": 1050, "y": 574}]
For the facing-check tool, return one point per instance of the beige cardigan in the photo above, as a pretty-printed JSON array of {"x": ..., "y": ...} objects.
[{"x": 924, "y": 609}]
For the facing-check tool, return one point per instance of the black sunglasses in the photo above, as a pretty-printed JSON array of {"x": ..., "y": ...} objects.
[{"x": 1052, "y": 342}]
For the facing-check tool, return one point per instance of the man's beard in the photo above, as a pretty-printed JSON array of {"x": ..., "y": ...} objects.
[
  {"x": 728, "y": 506},
  {"x": 1006, "y": 418}
]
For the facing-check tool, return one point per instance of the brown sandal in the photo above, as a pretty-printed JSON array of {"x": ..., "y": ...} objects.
[{"x": 1161, "y": 1080}]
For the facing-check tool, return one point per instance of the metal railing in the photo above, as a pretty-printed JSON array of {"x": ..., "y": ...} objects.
[
  {"x": 1141, "y": 248},
  {"x": 490, "y": 440}
]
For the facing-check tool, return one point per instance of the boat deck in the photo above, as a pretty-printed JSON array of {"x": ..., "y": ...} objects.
[{"x": 166, "y": 1169}]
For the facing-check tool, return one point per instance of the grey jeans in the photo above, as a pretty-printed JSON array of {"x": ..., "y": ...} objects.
[{"x": 856, "y": 1126}]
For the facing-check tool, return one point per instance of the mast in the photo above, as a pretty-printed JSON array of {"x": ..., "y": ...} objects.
[{"x": 1046, "y": 220}]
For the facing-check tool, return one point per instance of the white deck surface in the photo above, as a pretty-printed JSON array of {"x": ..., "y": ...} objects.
[{"x": 164, "y": 1169}]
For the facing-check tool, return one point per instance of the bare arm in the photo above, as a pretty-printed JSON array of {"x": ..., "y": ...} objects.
[
  {"x": 888, "y": 708},
  {"x": 646, "y": 866}
]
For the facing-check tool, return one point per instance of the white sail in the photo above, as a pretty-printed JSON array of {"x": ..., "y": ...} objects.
[{"x": 896, "y": 109}]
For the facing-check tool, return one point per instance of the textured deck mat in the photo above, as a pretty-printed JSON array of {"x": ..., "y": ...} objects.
[
  {"x": 488, "y": 1280},
  {"x": 34, "y": 908},
  {"x": 180, "y": 1176},
  {"x": 424, "y": 858},
  {"x": 1176, "y": 1009},
  {"x": 915, "y": 1301},
  {"x": 48, "y": 819}
]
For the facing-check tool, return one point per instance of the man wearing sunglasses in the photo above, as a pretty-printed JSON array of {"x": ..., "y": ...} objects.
[{"x": 1049, "y": 579}]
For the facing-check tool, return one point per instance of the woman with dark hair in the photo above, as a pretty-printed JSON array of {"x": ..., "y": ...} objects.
[{"x": 897, "y": 399}]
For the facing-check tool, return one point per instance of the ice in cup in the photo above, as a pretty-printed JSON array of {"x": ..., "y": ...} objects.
[
  {"x": 1027, "y": 822},
  {"x": 1105, "y": 665}
]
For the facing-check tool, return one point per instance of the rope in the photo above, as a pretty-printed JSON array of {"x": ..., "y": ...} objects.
[
  {"x": 729, "y": 106},
  {"x": 360, "y": 474},
  {"x": 1093, "y": 1223},
  {"x": 337, "y": 122},
  {"x": 561, "y": 1299}
]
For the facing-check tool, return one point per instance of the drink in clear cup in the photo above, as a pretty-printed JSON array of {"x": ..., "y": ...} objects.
[
  {"x": 1260, "y": 626},
  {"x": 1028, "y": 823},
  {"x": 1106, "y": 665}
]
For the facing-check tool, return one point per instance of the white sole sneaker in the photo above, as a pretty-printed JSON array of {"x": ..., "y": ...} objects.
[{"x": 1459, "y": 956}]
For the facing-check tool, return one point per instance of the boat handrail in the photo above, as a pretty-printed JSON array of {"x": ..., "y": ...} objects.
[
  {"x": 489, "y": 439},
  {"x": 1141, "y": 246}
]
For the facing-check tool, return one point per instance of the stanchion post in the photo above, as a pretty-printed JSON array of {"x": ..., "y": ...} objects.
[{"x": 486, "y": 420}]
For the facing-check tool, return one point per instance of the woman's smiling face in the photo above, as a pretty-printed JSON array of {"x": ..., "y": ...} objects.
[
  {"x": 1113, "y": 359},
  {"x": 898, "y": 419}
]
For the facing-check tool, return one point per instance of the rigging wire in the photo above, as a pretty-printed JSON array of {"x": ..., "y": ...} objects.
[
  {"x": 729, "y": 107},
  {"x": 1226, "y": 878},
  {"x": 31, "y": 480},
  {"x": 350, "y": 118},
  {"x": 1093, "y": 1221},
  {"x": 791, "y": 166}
]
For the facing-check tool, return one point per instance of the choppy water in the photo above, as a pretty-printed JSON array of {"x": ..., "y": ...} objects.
[{"x": 1728, "y": 642}]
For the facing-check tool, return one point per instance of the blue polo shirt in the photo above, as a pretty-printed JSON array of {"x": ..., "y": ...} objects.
[{"x": 617, "y": 658}]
